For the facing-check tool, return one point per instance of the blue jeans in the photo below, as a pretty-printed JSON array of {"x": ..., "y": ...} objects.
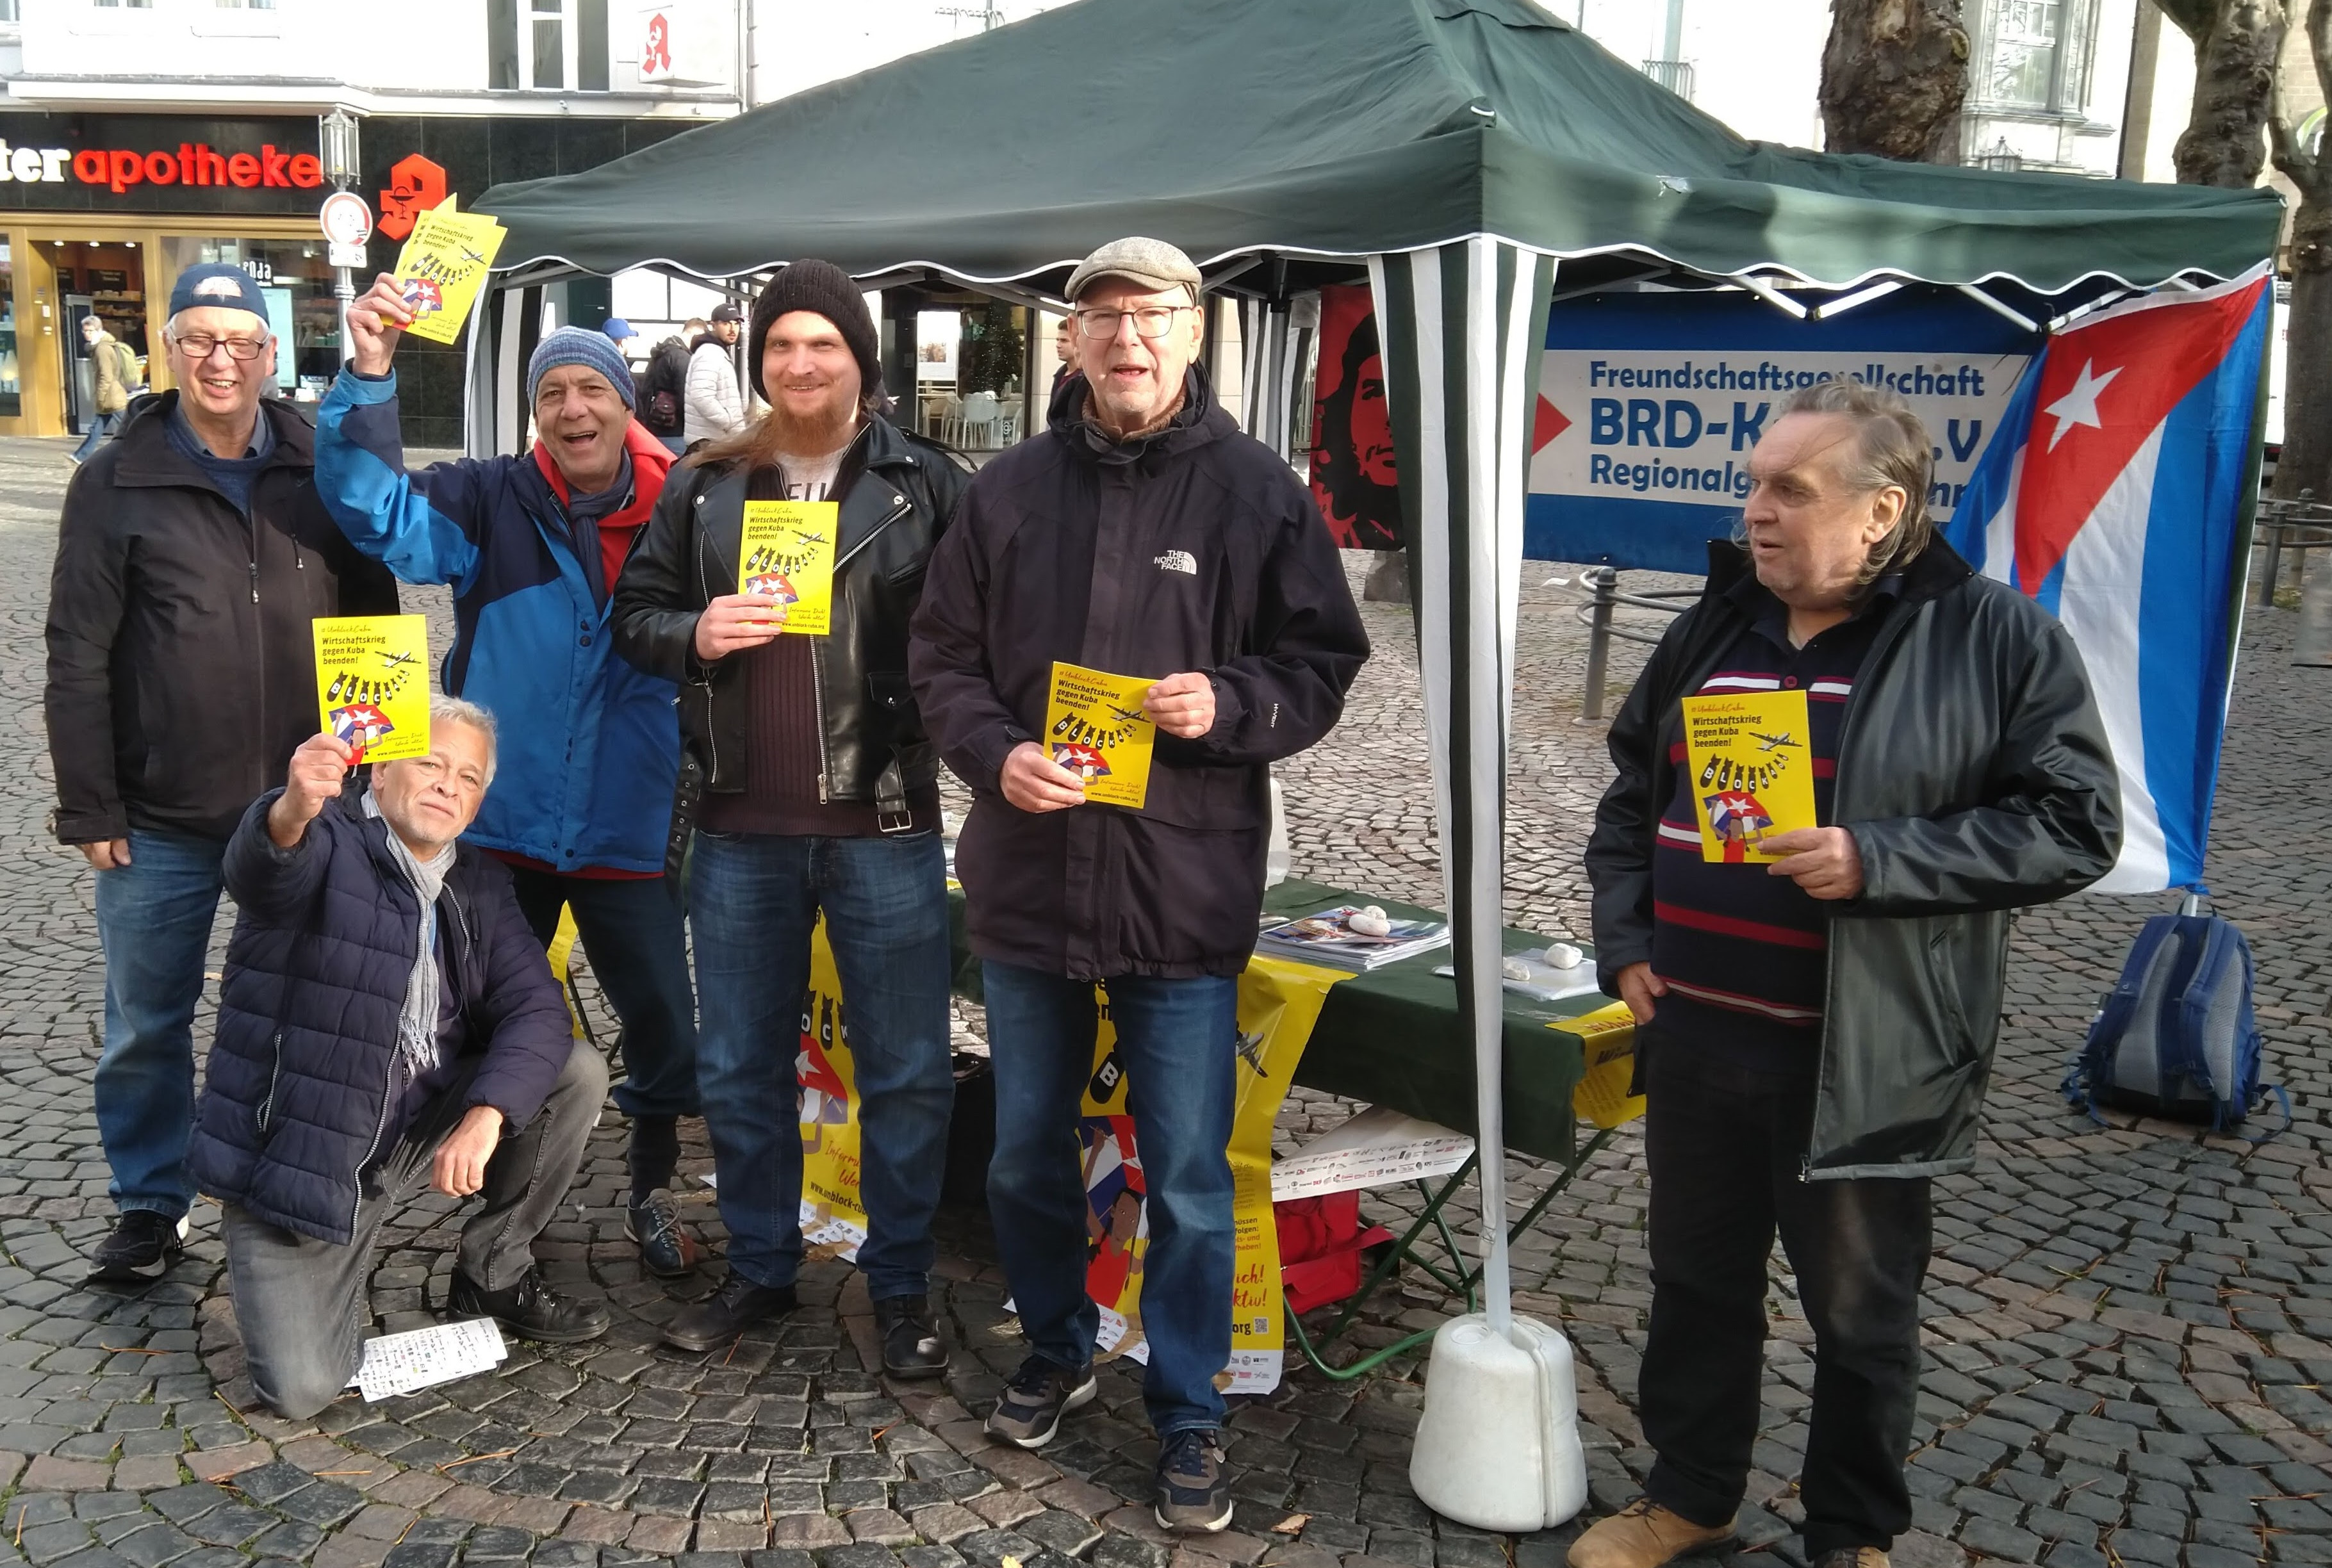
[
  {"x": 633, "y": 929},
  {"x": 154, "y": 921},
  {"x": 753, "y": 901},
  {"x": 103, "y": 426},
  {"x": 1178, "y": 1039}
]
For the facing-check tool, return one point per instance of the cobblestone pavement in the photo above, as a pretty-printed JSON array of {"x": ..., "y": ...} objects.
[{"x": 2128, "y": 1328}]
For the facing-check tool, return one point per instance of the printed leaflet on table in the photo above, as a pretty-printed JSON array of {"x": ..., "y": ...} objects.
[
  {"x": 372, "y": 683},
  {"x": 786, "y": 554},
  {"x": 1752, "y": 774},
  {"x": 1328, "y": 938},
  {"x": 1094, "y": 727}
]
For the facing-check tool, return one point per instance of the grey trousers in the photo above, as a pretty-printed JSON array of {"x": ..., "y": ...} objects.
[{"x": 302, "y": 1303}]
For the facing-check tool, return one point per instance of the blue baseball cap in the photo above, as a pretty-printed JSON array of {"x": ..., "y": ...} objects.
[
  {"x": 617, "y": 329},
  {"x": 220, "y": 284}
]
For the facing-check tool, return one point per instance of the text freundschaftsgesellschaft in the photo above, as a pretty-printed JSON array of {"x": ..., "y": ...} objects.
[{"x": 1655, "y": 427}]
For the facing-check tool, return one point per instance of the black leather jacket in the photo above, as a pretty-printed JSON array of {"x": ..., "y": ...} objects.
[
  {"x": 1975, "y": 775},
  {"x": 897, "y": 492}
]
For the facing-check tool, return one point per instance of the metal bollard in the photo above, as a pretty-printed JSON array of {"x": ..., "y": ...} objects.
[
  {"x": 2272, "y": 568},
  {"x": 1604, "y": 583}
]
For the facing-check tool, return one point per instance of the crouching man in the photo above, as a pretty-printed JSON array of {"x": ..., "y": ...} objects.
[{"x": 387, "y": 1022}]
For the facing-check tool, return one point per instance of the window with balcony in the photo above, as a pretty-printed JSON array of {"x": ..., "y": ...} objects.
[{"x": 547, "y": 46}]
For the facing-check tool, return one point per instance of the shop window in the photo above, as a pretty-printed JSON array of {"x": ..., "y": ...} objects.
[
  {"x": 12, "y": 399},
  {"x": 8, "y": 12},
  {"x": 303, "y": 311},
  {"x": 547, "y": 46},
  {"x": 123, "y": 5},
  {"x": 245, "y": 4}
]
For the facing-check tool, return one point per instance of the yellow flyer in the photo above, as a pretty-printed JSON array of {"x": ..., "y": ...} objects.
[
  {"x": 1752, "y": 758},
  {"x": 443, "y": 266},
  {"x": 1095, "y": 728},
  {"x": 786, "y": 554},
  {"x": 1608, "y": 1041},
  {"x": 372, "y": 683}
]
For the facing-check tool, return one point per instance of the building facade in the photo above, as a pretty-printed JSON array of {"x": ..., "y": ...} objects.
[{"x": 143, "y": 138}]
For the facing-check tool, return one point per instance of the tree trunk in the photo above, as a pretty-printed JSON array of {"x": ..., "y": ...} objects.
[
  {"x": 2306, "y": 460},
  {"x": 1894, "y": 75},
  {"x": 2306, "y": 463},
  {"x": 2234, "y": 93}
]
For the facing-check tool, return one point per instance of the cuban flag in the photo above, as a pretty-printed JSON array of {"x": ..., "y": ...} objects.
[{"x": 2115, "y": 493}]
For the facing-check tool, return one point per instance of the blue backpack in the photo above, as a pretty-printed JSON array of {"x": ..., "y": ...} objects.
[{"x": 2176, "y": 1037}]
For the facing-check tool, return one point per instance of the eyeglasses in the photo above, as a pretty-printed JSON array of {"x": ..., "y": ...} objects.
[
  {"x": 200, "y": 345},
  {"x": 1149, "y": 321}
]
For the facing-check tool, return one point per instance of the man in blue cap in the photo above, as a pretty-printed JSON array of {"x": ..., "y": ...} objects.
[
  {"x": 533, "y": 546},
  {"x": 191, "y": 556}
]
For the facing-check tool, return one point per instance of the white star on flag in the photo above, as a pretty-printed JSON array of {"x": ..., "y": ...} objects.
[{"x": 2079, "y": 406}]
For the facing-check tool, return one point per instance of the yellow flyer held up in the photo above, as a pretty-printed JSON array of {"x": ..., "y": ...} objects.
[
  {"x": 1095, "y": 728},
  {"x": 372, "y": 683},
  {"x": 443, "y": 266},
  {"x": 1753, "y": 774},
  {"x": 786, "y": 554}
]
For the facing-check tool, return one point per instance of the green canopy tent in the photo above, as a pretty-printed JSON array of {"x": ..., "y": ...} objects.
[{"x": 1457, "y": 150}]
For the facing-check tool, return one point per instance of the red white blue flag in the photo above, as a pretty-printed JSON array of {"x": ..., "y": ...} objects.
[{"x": 2114, "y": 493}]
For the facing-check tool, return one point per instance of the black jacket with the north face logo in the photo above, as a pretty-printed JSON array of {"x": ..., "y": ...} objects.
[{"x": 1194, "y": 549}]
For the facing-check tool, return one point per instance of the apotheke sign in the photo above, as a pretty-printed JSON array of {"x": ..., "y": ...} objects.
[{"x": 191, "y": 163}]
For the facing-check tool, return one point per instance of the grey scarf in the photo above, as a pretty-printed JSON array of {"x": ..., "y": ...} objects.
[{"x": 416, "y": 1024}]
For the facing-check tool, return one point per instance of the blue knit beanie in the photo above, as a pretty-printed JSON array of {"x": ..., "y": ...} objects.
[{"x": 574, "y": 345}]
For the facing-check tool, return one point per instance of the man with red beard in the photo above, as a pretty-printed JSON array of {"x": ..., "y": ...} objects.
[{"x": 808, "y": 785}]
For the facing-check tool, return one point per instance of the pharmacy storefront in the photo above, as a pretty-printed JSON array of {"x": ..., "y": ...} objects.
[{"x": 99, "y": 212}]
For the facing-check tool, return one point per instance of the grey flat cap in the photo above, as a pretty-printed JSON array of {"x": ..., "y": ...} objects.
[{"x": 1152, "y": 264}]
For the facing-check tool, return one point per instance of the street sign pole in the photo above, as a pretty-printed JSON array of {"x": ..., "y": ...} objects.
[{"x": 336, "y": 131}]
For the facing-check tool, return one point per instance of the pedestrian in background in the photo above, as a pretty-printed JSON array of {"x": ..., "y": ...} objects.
[
  {"x": 1142, "y": 534},
  {"x": 715, "y": 401},
  {"x": 811, "y": 787},
  {"x": 192, "y": 554},
  {"x": 1815, "y": 1034},
  {"x": 115, "y": 369},
  {"x": 533, "y": 545},
  {"x": 663, "y": 393}
]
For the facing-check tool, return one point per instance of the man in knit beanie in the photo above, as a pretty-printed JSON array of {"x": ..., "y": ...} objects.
[
  {"x": 535, "y": 544},
  {"x": 816, "y": 791}
]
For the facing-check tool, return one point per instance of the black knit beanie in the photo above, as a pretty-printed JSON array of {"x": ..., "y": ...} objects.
[{"x": 826, "y": 288}]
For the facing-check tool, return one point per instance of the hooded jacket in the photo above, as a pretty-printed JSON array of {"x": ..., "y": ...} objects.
[
  {"x": 182, "y": 671},
  {"x": 295, "y": 1097},
  {"x": 1974, "y": 775},
  {"x": 714, "y": 403},
  {"x": 1193, "y": 549},
  {"x": 588, "y": 745},
  {"x": 896, "y": 494}
]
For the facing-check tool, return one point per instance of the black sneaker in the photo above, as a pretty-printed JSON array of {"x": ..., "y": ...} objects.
[
  {"x": 142, "y": 1249},
  {"x": 1194, "y": 1493},
  {"x": 911, "y": 1339},
  {"x": 728, "y": 1311},
  {"x": 667, "y": 1250},
  {"x": 1029, "y": 1410},
  {"x": 529, "y": 1309}
]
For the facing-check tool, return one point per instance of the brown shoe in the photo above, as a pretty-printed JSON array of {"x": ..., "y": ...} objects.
[
  {"x": 1643, "y": 1534},
  {"x": 1853, "y": 1557}
]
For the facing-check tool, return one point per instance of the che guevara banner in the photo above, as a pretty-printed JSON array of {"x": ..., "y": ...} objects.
[{"x": 1278, "y": 1003}]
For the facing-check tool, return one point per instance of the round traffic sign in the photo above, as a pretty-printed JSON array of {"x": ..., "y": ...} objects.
[{"x": 345, "y": 219}]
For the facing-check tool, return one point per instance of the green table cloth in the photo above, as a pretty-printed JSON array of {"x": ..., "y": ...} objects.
[{"x": 1392, "y": 1036}]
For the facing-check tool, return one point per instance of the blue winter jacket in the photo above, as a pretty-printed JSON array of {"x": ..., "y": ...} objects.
[
  {"x": 590, "y": 745},
  {"x": 295, "y": 1099}
]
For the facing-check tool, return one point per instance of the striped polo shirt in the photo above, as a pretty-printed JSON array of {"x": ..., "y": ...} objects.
[{"x": 1744, "y": 952}]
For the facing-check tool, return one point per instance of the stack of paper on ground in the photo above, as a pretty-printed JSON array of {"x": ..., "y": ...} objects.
[
  {"x": 1377, "y": 1148},
  {"x": 1328, "y": 938},
  {"x": 404, "y": 1364}
]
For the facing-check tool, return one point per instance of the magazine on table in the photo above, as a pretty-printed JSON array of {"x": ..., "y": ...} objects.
[{"x": 1330, "y": 937}]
